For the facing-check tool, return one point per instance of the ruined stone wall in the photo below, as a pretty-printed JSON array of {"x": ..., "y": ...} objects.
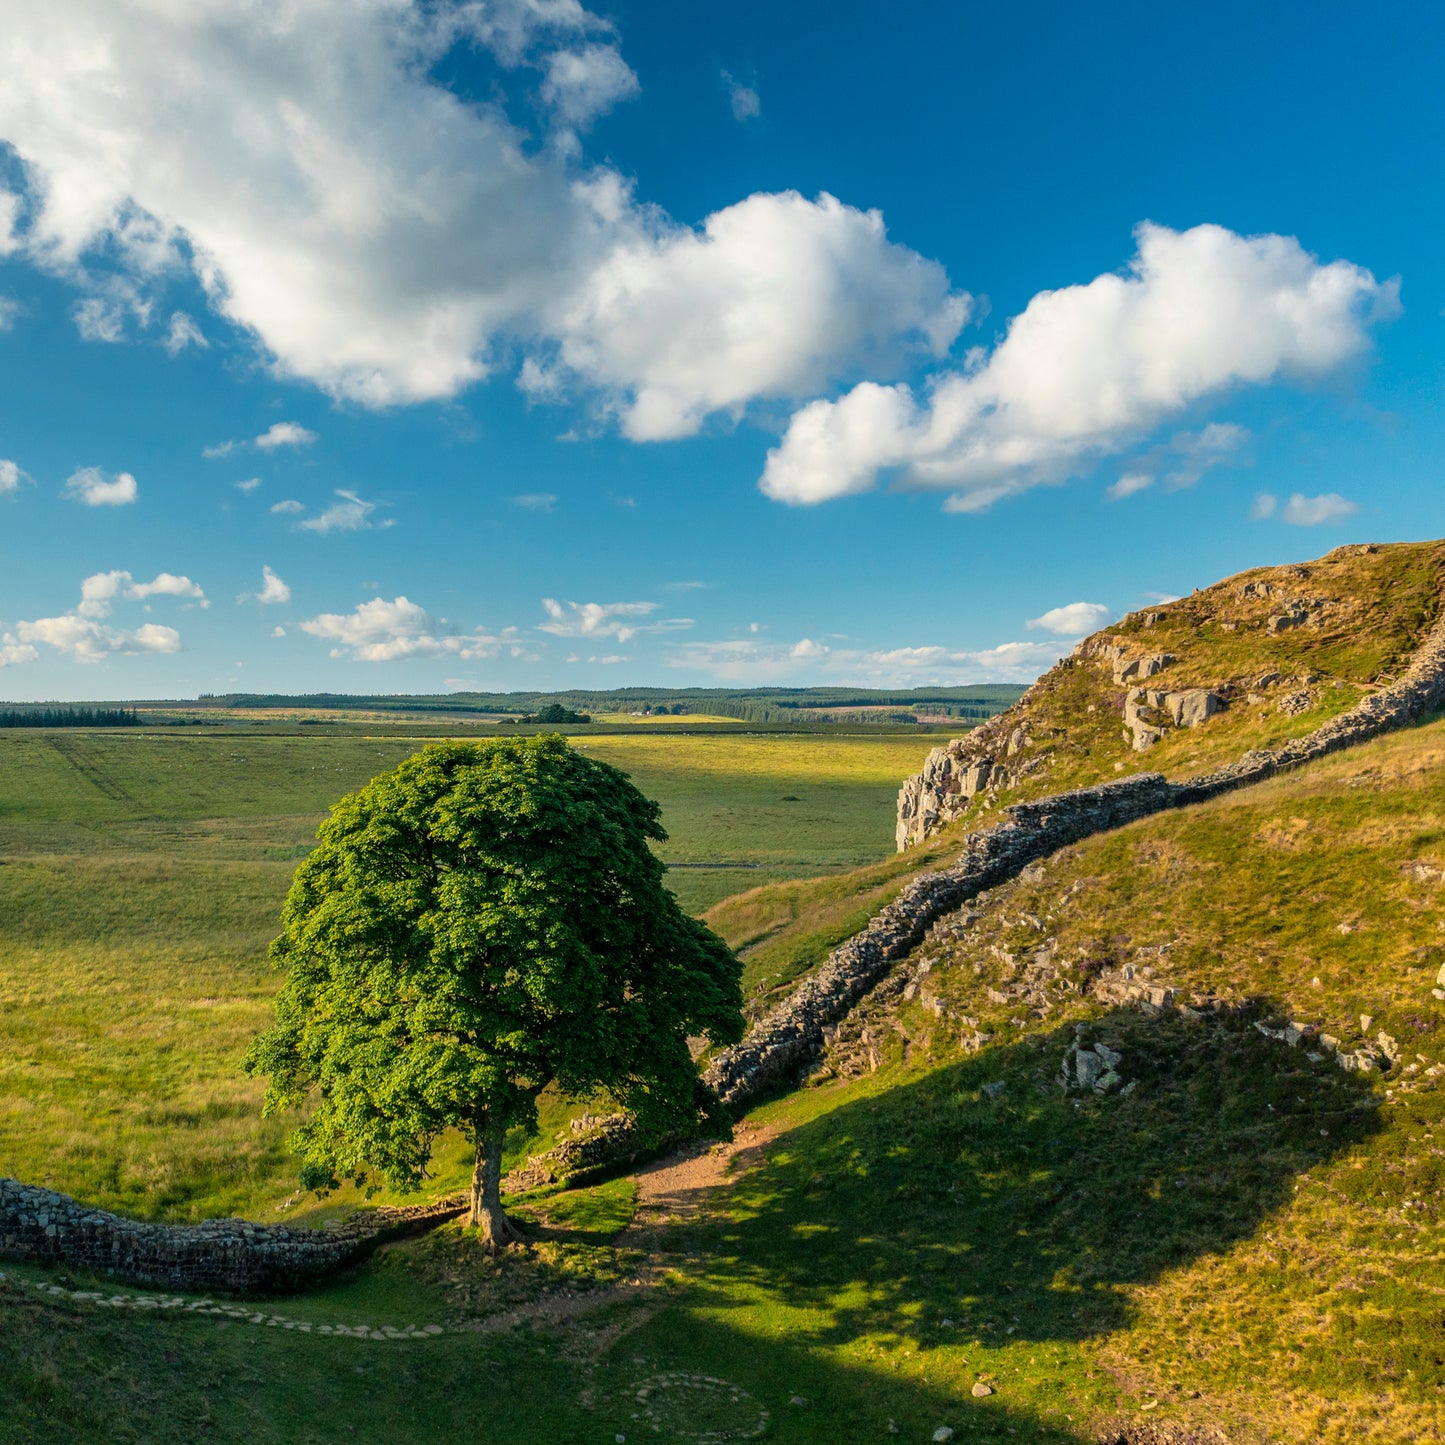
[{"x": 222, "y": 1255}]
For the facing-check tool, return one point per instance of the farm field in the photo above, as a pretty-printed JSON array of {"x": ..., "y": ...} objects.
[
  {"x": 141, "y": 877},
  {"x": 1244, "y": 1240}
]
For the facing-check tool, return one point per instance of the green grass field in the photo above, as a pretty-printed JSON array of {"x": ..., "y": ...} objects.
[
  {"x": 141, "y": 878},
  {"x": 1249, "y": 1241}
]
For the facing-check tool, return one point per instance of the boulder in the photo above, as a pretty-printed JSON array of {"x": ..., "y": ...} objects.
[
  {"x": 1190, "y": 708},
  {"x": 1284, "y": 621},
  {"x": 1139, "y": 729},
  {"x": 1132, "y": 669}
]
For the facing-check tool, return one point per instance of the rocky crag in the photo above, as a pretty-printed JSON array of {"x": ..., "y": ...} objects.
[
  {"x": 1262, "y": 657},
  {"x": 781, "y": 1046}
]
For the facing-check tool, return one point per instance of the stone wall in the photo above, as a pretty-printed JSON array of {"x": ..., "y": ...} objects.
[{"x": 222, "y": 1255}]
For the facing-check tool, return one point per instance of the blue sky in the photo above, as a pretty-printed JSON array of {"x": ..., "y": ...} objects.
[{"x": 366, "y": 346}]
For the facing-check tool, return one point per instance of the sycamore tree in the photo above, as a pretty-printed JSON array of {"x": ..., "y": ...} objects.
[{"x": 483, "y": 921}]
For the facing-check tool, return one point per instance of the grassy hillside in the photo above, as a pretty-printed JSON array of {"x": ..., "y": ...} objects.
[
  {"x": 1353, "y": 619},
  {"x": 141, "y": 878},
  {"x": 1242, "y": 1246}
]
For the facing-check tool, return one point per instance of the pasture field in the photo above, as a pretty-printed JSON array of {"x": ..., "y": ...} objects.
[
  {"x": 1245, "y": 1241},
  {"x": 141, "y": 878}
]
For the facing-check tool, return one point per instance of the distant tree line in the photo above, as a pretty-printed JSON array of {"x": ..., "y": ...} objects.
[
  {"x": 763, "y": 705},
  {"x": 68, "y": 717}
]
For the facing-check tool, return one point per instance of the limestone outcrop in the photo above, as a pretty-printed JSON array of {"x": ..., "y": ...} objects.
[
  {"x": 1153, "y": 691},
  {"x": 1147, "y": 712}
]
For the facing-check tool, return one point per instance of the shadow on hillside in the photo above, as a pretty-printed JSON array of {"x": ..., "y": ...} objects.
[{"x": 1020, "y": 1217}]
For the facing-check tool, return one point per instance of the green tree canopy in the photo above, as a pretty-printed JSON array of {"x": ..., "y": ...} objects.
[{"x": 482, "y": 921}]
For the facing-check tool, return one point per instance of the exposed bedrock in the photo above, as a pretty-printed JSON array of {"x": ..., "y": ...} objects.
[{"x": 987, "y": 760}]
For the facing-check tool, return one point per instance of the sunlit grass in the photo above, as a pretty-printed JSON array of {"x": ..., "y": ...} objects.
[
  {"x": 1247, "y": 1241},
  {"x": 141, "y": 879}
]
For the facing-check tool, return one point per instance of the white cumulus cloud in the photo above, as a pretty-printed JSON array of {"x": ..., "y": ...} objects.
[
  {"x": 1087, "y": 370},
  {"x": 273, "y": 590},
  {"x": 1072, "y": 620},
  {"x": 392, "y": 241},
  {"x": 13, "y": 653},
  {"x": 605, "y": 619},
  {"x": 88, "y": 641},
  {"x": 84, "y": 634},
  {"x": 775, "y": 296},
  {"x": 381, "y": 631},
  {"x": 101, "y": 590},
  {"x": 92, "y": 488},
  {"x": 166, "y": 584},
  {"x": 10, "y": 478},
  {"x": 1302, "y": 511},
  {"x": 285, "y": 434},
  {"x": 370, "y": 227},
  {"x": 350, "y": 514}
]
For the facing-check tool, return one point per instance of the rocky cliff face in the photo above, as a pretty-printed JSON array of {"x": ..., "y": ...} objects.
[{"x": 1252, "y": 661}]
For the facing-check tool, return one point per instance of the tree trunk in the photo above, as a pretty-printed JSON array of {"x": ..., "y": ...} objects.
[{"x": 487, "y": 1215}]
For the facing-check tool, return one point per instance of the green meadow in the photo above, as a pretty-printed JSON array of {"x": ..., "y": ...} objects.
[
  {"x": 141, "y": 878},
  {"x": 1246, "y": 1242}
]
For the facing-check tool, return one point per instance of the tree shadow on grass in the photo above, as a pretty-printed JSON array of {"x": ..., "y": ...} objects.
[
  {"x": 1021, "y": 1218},
  {"x": 1026, "y": 1215}
]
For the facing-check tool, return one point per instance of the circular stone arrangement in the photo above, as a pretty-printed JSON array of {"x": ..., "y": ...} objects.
[{"x": 699, "y": 1407}]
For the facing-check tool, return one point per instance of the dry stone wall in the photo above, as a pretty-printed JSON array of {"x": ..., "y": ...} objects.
[
  {"x": 780, "y": 1045},
  {"x": 231, "y": 1256}
]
